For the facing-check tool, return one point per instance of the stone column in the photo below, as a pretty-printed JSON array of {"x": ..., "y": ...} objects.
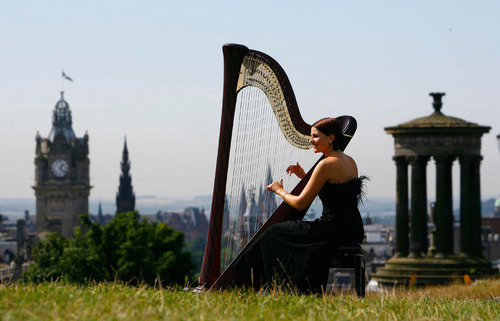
[
  {"x": 418, "y": 241},
  {"x": 476, "y": 207},
  {"x": 465, "y": 205},
  {"x": 402, "y": 215},
  {"x": 443, "y": 213}
]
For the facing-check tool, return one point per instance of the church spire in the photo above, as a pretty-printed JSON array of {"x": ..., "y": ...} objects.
[
  {"x": 100, "y": 216},
  {"x": 125, "y": 198}
]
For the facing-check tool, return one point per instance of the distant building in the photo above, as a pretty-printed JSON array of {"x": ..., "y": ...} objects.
[
  {"x": 192, "y": 222},
  {"x": 30, "y": 222},
  {"x": 62, "y": 182},
  {"x": 491, "y": 238},
  {"x": 496, "y": 212},
  {"x": 125, "y": 198},
  {"x": 101, "y": 218},
  {"x": 8, "y": 244},
  {"x": 378, "y": 244}
]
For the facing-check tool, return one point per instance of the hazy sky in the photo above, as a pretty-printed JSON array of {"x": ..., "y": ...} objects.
[{"x": 152, "y": 71}]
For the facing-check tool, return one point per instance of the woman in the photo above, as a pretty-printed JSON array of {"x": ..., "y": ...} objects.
[{"x": 300, "y": 252}]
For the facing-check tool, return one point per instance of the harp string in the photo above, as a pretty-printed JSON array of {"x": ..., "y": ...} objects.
[{"x": 259, "y": 155}]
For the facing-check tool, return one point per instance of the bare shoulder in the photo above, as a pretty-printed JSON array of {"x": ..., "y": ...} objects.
[
  {"x": 340, "y": 169},
  {"x": 350, "y": 159},
  {"x": 351, "y": 163},
  {"x": 325, "y": 167},
  {"x": 329, "y": 164}
]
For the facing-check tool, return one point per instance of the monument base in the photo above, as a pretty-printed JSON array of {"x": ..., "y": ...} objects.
[{"x": 423, "y": 271}]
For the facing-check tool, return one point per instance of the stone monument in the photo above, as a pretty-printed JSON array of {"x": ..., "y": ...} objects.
[{"x": 444, "y": 139}]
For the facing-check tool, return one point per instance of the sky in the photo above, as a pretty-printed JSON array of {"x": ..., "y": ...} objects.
[{"x": 152, "y": 71}]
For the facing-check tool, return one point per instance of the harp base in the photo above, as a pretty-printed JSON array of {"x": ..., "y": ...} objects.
[{"x": 198, "y": 289}]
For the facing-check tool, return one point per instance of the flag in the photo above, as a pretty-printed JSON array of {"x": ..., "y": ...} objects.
[{"x": 66, "y": 77}]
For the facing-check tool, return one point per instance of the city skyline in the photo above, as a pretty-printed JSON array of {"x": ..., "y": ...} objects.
[{"x": 153, "y": 72}]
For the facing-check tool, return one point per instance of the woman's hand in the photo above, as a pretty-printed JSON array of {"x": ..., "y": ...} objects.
[
  {"x": 297, "y": 170},
  {"x": 275, "y": 187}
]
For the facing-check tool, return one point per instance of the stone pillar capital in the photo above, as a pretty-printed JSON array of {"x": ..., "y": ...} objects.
[
  {"x": 444, "y": 159},
  {"x": 468, "y": 159},
  {"x": 418, "y": 159},
  {"x": 401, "y": 160}
]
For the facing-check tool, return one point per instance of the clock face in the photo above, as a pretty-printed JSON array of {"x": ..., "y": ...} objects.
[{"x": 59, "y": 168}]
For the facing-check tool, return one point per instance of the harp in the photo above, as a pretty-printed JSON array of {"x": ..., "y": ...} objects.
[{"x": 253, "y": 78}]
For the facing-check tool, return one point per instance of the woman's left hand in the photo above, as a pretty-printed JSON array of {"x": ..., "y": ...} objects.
[
  {"x": 297, "y": 170},
  {"x": 275, "y": 186}
]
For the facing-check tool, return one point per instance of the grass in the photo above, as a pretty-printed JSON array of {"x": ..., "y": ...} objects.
[{"x": 58, "y": 301}]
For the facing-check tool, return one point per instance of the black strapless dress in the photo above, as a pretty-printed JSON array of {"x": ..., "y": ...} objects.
[{"x": 299, "y": 252}]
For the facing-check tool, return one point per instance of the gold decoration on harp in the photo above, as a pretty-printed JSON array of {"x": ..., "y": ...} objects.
[{"x": 255, "y": 72}]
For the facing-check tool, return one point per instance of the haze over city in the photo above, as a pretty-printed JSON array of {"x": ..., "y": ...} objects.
[{"x": 151, "y": 71}]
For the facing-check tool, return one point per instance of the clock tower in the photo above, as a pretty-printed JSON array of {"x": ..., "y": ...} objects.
[{"x": 62, "y": 183}]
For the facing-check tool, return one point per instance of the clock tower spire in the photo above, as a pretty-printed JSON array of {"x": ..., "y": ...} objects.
[
  {"x": 61, "y": 121},
  {"x": 62, "y": 183}
]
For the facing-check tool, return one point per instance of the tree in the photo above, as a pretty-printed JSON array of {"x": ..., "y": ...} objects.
[
  {"x": 197, "y": 249},
  {"x": 127, "y": 249}
]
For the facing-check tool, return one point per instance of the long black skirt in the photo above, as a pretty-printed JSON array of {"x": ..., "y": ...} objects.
[{"x": 291, "y": 253}]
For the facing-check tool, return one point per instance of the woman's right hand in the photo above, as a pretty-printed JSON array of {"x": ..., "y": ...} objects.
[
  {"x": 275, "y": 186},
  {"x": 297, "y": 170}
]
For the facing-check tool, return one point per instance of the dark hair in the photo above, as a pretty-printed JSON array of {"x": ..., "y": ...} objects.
[{"x": 330, "y": 126}]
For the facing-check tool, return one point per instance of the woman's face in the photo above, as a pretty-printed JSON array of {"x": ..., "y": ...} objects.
[{"x": 320, "y": 141}]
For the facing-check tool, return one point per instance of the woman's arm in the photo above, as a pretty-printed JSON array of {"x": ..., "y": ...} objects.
[{"x": 318, "y": 178}]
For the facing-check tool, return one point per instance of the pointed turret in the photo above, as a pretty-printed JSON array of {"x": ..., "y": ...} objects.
[{"x": 125, "y": 198}]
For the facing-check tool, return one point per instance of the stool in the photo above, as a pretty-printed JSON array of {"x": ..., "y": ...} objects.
[{"x": 352, "y": 256}]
